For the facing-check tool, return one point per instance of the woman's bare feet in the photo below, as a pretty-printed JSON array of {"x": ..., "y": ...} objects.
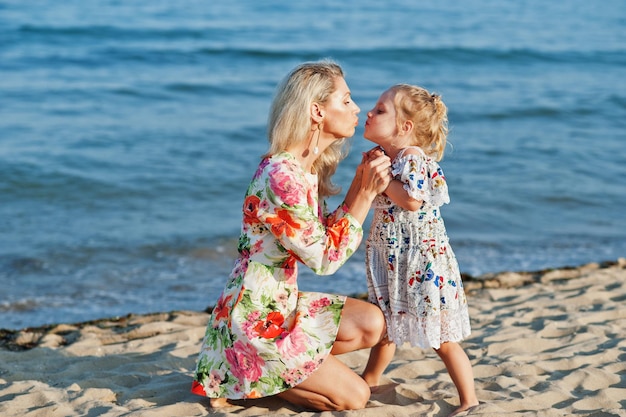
[{"x": 219, "y": 402}]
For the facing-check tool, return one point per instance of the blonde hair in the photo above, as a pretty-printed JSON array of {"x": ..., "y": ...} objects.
[
  {"x": 290, "y": 122},
  {"x": 429, "y": 116}
]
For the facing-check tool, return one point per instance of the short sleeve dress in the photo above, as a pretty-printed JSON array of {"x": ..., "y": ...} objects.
[
  {"x": 264, "y": 336},
  {"x": 412, "y": 272}
]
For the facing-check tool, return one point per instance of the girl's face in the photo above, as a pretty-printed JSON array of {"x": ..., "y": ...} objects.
[
  {"x": 381, "y": 127},
  {"x": 341, "y": 113}
]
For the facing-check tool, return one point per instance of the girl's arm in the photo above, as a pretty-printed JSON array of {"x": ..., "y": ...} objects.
[{"x": 400, "y": 196}]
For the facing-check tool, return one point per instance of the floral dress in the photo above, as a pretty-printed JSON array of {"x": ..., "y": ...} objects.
[
  {"x": 264, "y": 336},
  {"x": 412, "y": 272}
]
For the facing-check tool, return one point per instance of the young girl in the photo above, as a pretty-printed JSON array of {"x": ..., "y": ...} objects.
[{"x": 412, "y": 272}]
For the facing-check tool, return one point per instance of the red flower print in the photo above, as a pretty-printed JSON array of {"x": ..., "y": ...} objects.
[
  {"x": 197, "y": 388},
  {"x": 283, "y": 223},
  {"x": 290, "y": 268},
  {"x": 338, "y": 231},
  {"x": 251, "y": 209},
  {"x": 271, "y": 327},
  {"x": 221, "y": 309},
  {"x": 253, "y": 395}
]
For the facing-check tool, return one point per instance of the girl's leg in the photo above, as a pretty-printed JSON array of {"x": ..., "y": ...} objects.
[
  {"x": 460, "y": 371},
  {"x": 380, "y": 357},
  {"x": 332, "y": 387},
  {"x": 362, "y": 326}
]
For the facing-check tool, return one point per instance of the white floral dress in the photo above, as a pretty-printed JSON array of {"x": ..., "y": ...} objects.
[
  {"x": 264, "y": 336},
  {"x": 412, "y": 272}
]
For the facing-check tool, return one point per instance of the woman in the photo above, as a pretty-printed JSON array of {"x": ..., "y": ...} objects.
[{"x": 265, "y": 337}]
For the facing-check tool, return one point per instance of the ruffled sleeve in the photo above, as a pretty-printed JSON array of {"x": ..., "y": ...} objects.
[{"x": 423, "y": 178}]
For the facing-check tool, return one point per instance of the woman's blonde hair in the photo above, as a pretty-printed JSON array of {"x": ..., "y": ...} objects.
[
  {"x": 290, "y": 121},
  {"x": 429, "y": 116}
]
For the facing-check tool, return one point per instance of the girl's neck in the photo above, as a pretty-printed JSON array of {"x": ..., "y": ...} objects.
[
  {"x": 394, "y": 146},
  {"x": 393, "y": 151}
]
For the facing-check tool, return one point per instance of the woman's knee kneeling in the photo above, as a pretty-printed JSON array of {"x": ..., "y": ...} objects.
[{"x": 358, "y": 397}]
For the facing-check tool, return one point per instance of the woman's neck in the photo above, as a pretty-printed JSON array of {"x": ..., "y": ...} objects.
[{"x": 307, "y": 152}]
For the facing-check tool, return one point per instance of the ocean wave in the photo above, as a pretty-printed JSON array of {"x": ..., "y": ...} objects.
[
  {"x": 153, "y": 44},
  {"x": 99, "y": 33}
]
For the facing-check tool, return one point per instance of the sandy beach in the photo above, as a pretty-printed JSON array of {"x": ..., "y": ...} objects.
[{"x": 546, "y": 343}]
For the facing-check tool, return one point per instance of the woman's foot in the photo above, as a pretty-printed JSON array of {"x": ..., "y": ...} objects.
[{"x": 219, "y": 402}]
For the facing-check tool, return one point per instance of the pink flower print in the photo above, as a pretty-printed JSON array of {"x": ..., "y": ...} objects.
[
  {"x": 245, "y": 363},
  {"x": 291, "y": 376},
  {"x": 292, "y": 344},
  {"x": 309, "y": 367},
  {"x": 286, "y": 187},
  {"x": 307, "y": 233},
  {"x": 310, "y": 198},
  {"x": 240, "y": 268},
  {"x": 249, "y": 325},
  {"x": 334, "y": 255},
  {"x": 257, "y": 247},
  {"x": 282, "y": 297},
  {"x": 214, "y": 381},
  {"x": 317, "y": 305}
]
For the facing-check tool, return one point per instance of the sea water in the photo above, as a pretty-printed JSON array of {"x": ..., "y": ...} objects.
[{"x": 129, "y": 132}]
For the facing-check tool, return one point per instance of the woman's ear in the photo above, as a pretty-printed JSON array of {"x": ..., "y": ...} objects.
[{"x": 317, "y": 113}]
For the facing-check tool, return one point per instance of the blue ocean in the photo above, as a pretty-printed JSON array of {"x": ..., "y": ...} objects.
[{"x": 129, "y": 131}]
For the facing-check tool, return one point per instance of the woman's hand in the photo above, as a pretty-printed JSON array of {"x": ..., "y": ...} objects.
[
  {"x": 373, "y": 153},
  {"x": 372, "y": 177},
  {"x": 375, "y": 171}
]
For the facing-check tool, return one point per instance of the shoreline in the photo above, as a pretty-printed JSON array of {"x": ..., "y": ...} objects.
[
  {"x": 544, "y": 343},
  {"x": 504, "y": 279}
]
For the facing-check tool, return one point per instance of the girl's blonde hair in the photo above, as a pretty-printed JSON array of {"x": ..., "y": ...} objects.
[
  {"x": 429, "y": 116},
  {"x": 290, "y": 122}
]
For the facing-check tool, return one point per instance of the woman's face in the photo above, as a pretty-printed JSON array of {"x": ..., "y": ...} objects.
[
  {"x": 341, "y": 113},
  {"x": 381, "y": 127}
]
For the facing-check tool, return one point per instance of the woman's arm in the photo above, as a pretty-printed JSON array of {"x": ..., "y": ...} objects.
[
  {"x": 282, "y": 202},
  {"x": 371, "y": 178}
]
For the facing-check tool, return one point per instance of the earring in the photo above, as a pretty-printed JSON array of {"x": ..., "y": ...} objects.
[{"x": 316, "y": 149}]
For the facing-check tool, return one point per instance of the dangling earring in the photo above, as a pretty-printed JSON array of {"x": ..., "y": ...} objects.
[{"x": 316, "y": 149}]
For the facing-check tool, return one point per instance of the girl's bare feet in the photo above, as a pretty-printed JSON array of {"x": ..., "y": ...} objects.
[{"x": 463, "y": 410}]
